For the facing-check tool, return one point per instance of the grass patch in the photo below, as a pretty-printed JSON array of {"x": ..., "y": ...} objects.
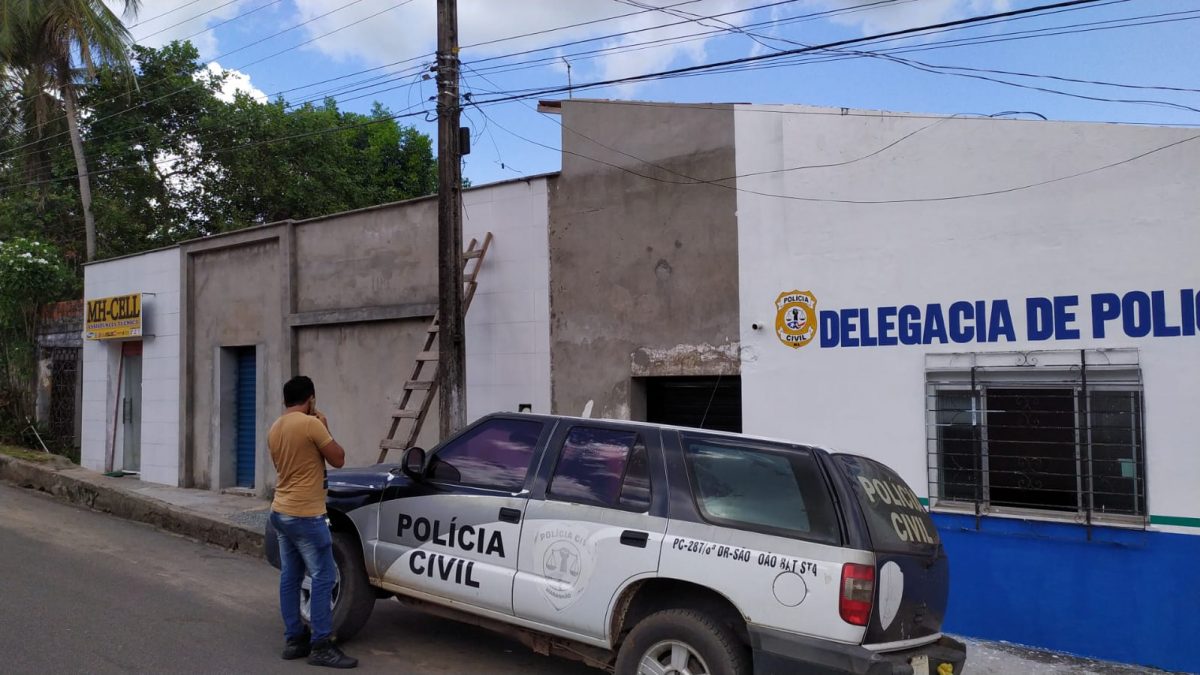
[{"x": 27, "y": 455}]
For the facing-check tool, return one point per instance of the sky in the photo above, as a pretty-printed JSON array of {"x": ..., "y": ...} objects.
[{"x": 379, "y": 50}]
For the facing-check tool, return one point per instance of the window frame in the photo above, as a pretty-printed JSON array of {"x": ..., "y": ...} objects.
[
  {"x": 1084, "y": 372},
  {"x": 547, "y": 428},
  {"x": 558, "y": 445},
  {"x": 781, "y": 449}
]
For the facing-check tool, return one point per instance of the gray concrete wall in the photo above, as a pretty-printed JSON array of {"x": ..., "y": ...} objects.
[
  {"x": 368, "y": 258},
  {"x": 347, "y": 299},
  {"x": 358, "y": 370},
  {"x": 234, "y": 299},
  {"x": 643, "y": 268}
]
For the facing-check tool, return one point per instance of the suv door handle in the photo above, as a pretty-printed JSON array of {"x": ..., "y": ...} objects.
[
  {"x": 510, "y": 515},
  {"x": 634, "y": 538}
]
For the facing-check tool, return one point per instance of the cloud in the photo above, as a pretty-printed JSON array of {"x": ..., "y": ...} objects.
[
  {"x": 409, "y": 32},
  {"x": 155, "y": 25},
  {"x": 235, "y": 81}
]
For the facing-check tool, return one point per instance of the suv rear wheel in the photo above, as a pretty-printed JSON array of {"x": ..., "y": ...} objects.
[{"x": 682, "y": 642}]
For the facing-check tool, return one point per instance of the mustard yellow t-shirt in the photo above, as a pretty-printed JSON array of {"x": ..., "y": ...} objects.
[{"x": 295, "y": 442}]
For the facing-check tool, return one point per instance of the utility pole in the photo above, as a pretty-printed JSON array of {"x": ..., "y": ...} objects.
[{"x": 451, "y": 336}]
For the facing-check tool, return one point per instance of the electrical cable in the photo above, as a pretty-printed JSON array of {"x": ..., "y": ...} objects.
[
  {"x": 827, "y": 200},
  {"x": 318, "y": 132},
  {"x": 922, "y": 66},
  {"x": 242, "y": 48}
]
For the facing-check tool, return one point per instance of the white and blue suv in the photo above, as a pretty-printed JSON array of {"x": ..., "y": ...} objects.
[{"x": 648, "y": 549}]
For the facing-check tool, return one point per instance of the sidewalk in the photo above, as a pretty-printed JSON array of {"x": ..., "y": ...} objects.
[
  {"x": 232, "y": 522},
  {"x": 236, "y": 523}
]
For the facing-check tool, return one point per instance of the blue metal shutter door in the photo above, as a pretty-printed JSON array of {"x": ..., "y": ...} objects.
[{"x": 245, "y": 413}]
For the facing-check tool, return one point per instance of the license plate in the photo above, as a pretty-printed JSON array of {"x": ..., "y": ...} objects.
[{"x": 920, "y": 665}]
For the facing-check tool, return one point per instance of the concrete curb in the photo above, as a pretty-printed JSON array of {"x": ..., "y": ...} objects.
[{"x": 99, "y": 493}]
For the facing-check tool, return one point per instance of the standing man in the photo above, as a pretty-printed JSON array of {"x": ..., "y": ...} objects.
[{"x": 300, "y": 445}]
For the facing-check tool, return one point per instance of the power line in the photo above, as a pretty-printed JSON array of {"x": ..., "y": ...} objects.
[
  {"x": 351, "y": 88},
  {"x": 925, "y": 67},
  {"x": 648, "y": 76},
  {"x": 803, "y": 50},
  {"x": 913, "y": 200},
  {"x": 400, "y": 76},
  {"x": 193, "y": 18},
  {"x": 847, "y": 54},
  {"x": 691, "y": 180},
  {"x": 242, "y": 48},
  {"x": 660, "y": 27},
  {"x": 159, "y": 16},
  {"x": 786, "y": 109},
  {"x": 244, "y": 146},
  {"x": 702, "y": 35},
  {"x": 570, "y": 26},
  {"x": 640, "y": 46}
]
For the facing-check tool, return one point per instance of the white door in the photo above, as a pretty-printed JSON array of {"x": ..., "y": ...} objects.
[
  {"x": 131, "y": 407},
  {"x": 589, "y": 531}
]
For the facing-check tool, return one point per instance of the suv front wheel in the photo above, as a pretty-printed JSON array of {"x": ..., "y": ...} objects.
[
  {"x": 353, "y": 598},
  {"x": 682, "y": 642}
]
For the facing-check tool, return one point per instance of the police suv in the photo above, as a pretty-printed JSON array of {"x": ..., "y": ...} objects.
[{"x": 649, "y": 549}]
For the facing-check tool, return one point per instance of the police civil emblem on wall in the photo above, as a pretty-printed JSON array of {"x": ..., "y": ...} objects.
[{"x": 796, "y": 318}]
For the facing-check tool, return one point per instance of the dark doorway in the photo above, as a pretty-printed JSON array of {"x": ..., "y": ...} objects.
[
  {"x": 246, "y": 413},
  {"x": 701, "y": 402}
]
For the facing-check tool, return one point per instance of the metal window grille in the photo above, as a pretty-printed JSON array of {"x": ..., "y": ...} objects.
[
  {"x": 64, "y": 365},
  {"x": 1055, "y": 434}
]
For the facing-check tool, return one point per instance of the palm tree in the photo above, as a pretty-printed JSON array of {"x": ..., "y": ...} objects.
[{"x": 46, "y": 40}]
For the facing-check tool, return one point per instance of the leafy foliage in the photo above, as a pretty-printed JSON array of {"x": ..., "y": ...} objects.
[
  {"x": 171, "y": 160},
  {"x": 31, "y": 275}
]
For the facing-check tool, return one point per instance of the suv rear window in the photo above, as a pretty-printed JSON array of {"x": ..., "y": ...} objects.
[
  {"x": 771, "y": 490},
  {"x": 895, "y": 517}
]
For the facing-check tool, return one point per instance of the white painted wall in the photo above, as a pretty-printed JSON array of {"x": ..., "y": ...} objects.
[
  {"x": 156, "y": 272},
  {"x": 1135, "y": 226},
  {"x": 508, "y": 323}
]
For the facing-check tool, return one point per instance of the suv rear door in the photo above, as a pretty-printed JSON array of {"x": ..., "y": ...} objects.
[
  {"x": 595, "y": 523},
  {"x": 757, "y": 522},
  {"x": 912, "y": 572}
]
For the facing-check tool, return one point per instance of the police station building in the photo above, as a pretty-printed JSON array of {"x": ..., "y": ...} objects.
[{"x": 1007, "y": 312}]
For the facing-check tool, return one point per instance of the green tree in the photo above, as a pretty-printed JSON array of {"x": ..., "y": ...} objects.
[
  {"x": 31, "y": 275},
  {"x": 145, "y": 148},
  {"x": 330, "y": 161},
  {"x": 170, "y": 160},
  {"x": 45, "y": 42}
]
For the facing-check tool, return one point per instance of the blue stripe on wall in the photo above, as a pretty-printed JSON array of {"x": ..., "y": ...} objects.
[{"x": 1126, "y": 595}]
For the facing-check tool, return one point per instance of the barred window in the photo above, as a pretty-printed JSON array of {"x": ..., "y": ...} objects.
[{"x": 1054, "y": 432}]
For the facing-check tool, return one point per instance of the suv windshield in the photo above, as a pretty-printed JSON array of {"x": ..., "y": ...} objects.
[{"x": 895, "y": 517}]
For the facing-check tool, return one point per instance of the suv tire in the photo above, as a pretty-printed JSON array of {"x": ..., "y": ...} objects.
[
  {"x": 354, "y": 598},
  {"x": 683, "y": 637}
]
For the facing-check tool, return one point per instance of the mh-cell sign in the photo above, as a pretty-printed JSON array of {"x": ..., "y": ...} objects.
[
  {"x": 1134, "y": 314},
  {"x": 114, "y": 318}
]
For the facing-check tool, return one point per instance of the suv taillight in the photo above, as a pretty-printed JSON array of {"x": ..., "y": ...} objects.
[{"x": 858, "y": 588}]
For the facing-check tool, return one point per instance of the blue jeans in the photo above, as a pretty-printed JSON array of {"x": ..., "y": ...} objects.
[{"x": 305, "y": 544}]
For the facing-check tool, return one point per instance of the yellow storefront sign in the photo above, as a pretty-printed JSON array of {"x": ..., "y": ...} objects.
[{"x": 114, "y": 318}]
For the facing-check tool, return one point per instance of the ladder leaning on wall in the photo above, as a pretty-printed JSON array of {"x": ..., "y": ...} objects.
[{"x": 422, "y": 384}]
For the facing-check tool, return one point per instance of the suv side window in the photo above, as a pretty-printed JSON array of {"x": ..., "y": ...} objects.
[
  {"x": 774, "y": 491},
  {"x": 494, "y": 455},
  {"x": 602, "y": 467}
]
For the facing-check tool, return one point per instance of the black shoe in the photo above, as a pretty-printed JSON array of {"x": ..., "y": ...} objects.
[
  {"x": 297, "y": 648},
  {"x": 326, "y": 653}
]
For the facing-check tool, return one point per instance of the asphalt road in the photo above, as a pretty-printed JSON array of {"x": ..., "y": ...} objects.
[{"x": 82, "y": 592}]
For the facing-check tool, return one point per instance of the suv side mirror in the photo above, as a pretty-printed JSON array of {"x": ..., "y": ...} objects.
[{"x": 413, "y": 463}]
